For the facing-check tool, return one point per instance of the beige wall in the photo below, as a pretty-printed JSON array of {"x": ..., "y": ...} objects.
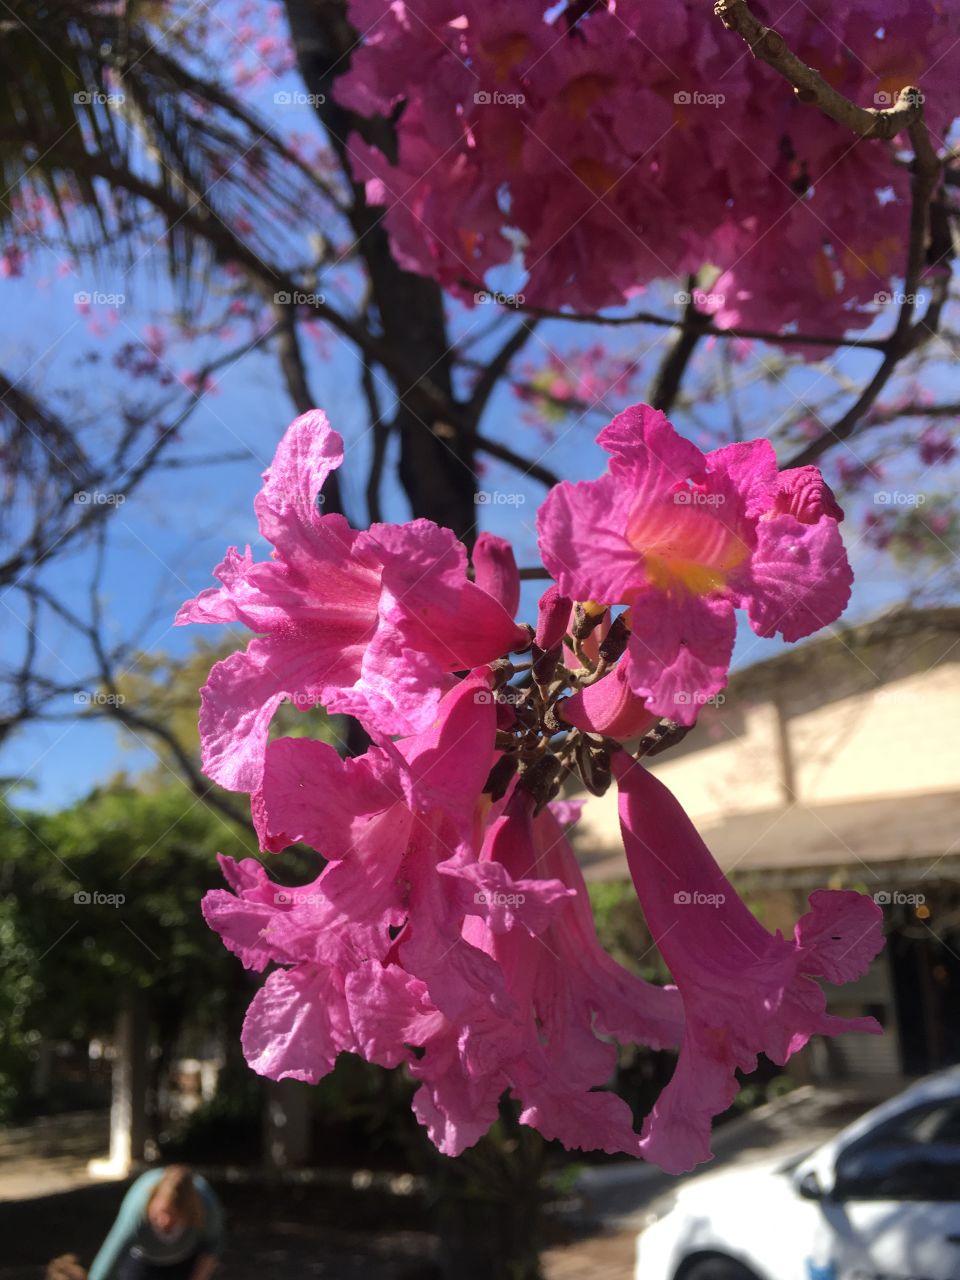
[{"x": 899, "y": 738}]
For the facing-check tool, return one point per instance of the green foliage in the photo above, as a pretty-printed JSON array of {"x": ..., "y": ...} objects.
[
  {"x": 623, "y": 931},
  {"x": 104, "y": 898}
]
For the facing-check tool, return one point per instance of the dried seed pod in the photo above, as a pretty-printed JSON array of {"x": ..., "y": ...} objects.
[
  {"x": 542, "y": 779},
  {"x": 544, "y": 664},
  {"x": 587, "y": 616},
  {"x": 614, "y": 642},
  {"x": 593, "y": 765},
  {"x": 500, "y": 776}
]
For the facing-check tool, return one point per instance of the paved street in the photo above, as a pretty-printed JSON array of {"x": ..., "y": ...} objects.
[{"x": 49, "y": 1204}]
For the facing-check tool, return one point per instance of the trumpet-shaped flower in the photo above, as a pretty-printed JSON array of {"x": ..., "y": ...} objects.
[
  {"x": 745, "y": 991},
  {"x": 369, "y": 624},
  {"x": 684, "y": 538}
]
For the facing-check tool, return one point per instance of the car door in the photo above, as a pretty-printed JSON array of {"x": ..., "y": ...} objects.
[{"x": 894, "y": 1212}]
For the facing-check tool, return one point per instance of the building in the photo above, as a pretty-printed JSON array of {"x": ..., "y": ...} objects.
[{"x": 837, "y": 763}]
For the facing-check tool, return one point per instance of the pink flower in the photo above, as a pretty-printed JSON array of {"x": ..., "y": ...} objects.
[
  {"x": 745, "y": 991},
  {"x": 683, "y": 538},
  {"x": 369, "y": 624},
  {"x": 573, "y": 996}
]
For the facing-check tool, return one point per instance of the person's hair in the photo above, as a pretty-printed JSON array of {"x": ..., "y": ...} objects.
[
  {"x": 176, "y": 1186},
  {"x": 66, "y": 1267}
]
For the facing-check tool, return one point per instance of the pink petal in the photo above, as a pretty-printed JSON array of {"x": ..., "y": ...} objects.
[
  {"x": 495, "y": 571},
  {"x": 641, "y": 433},
  {"x": 243, "y": 692},
  {"x": 679, "y": 652},
  {"x": 839, "y": 934},
  {"x": 609, "y": 707},
  {"x": 744, "y": 990},
  {"x": 286, "y": 506},
  {"x": 799, "y": 578},
  {"x": 553, "y": 618},
  {"x": 312, "y": 794},
  {"x": 805, "y": 494},
  {"x": 582, "y": 533},
  {"x": 296, "y": 1025},
  {"x": 752, "y": 467}
]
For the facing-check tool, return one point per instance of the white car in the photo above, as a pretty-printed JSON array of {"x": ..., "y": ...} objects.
[{"x": 880, "y": 1201}]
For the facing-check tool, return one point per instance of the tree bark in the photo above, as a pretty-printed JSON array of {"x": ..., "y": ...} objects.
[{"x": 436, "y": 446}]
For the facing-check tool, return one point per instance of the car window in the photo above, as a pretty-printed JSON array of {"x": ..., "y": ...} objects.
[{"x": 915, "y": 1156}]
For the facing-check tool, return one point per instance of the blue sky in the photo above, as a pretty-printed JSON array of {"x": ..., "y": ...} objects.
[{"x": 166, "y": 538}]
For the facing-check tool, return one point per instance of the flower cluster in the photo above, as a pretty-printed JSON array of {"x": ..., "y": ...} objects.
[
  {"x": 519, "y": 133},
  {"x": 450, "y": 928}
]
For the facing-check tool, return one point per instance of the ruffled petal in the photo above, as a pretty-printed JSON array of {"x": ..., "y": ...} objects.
[
  {"x": 243, "y": 692},
  {"x": 799, "y": 577},
  {"x": 679, "y": 652},
  {"x": 296, "y": 1025}
]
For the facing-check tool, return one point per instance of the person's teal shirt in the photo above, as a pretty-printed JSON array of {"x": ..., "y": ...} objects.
[{"x": 128, "y": 1229}]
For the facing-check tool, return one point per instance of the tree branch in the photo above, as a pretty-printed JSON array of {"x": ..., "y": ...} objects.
[
  {"x": 535, "y": 469},
  {"x": 770, "y": 47}
]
